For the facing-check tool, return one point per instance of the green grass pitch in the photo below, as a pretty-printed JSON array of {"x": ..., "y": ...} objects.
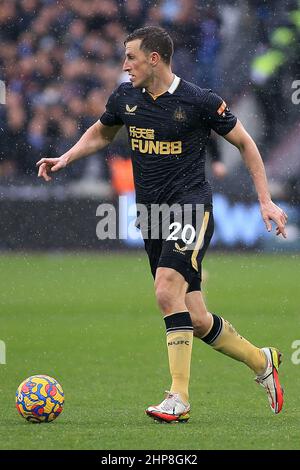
[{"x": 91, "y": 322}]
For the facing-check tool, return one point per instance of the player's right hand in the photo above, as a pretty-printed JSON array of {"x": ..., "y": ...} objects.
[{"x": 47, "y": 165}]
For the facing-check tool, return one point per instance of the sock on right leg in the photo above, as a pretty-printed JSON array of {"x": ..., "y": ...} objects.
[{"x": 179, "y": 342}]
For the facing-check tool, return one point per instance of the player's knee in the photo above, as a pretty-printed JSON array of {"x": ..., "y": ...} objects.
[
  {"x": 170, "y": 289},
  {"x": 167, "y": 293},
  {"x": 164, "y": 296}
]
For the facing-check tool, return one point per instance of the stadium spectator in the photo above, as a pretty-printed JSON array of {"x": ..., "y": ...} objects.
[
  {"x": 208, "y": 48},
  {"x": 60, "y": 54}
]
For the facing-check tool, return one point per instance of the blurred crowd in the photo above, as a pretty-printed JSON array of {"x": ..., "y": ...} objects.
[{"x": 60, "y": 60}]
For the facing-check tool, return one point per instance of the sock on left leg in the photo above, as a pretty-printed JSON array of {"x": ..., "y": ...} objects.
[{"x": 224, "y": 338}]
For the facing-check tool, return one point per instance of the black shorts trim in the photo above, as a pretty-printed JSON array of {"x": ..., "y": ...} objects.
[{"x": 179, "y": 266}]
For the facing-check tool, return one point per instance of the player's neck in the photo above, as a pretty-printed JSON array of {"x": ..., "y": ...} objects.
[{"x": 160, "y": 84}]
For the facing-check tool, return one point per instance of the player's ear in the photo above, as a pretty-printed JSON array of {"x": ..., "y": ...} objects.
[{"x": 154, "y": 58}]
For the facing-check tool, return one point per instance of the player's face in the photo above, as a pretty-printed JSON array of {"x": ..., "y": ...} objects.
[{"x": 137, "y": 64}]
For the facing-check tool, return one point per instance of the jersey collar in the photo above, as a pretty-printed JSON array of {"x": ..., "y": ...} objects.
[{"x": 173, "y": 86}]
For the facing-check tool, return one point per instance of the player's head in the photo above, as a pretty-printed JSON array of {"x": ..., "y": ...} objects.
[{"x": 147, "y": 49}]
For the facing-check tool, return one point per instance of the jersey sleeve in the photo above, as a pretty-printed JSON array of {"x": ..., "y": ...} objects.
[
  {"x": 217, "y": 114},
  {"x": 111, "y": 116}
]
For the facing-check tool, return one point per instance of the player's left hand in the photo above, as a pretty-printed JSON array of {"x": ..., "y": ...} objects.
[{"x": 270, "y": 211}]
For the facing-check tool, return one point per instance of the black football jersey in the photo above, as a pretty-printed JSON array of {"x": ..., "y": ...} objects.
[{"x": 167, "y": 137}]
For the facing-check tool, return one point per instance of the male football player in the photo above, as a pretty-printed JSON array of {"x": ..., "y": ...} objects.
[{"x": 169, "y": 121}]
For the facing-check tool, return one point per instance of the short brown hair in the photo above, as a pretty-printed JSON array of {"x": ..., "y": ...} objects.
[{"x": 154, "y": 39}]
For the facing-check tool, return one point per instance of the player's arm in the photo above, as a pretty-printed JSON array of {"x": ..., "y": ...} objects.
[
  {"x": 97, "y": 137},
  {"x": 240, "y": 138}
]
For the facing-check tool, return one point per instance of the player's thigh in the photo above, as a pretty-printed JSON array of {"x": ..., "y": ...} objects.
[{"x": 171, "y": 281}]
